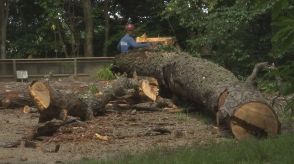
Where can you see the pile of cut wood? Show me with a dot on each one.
(61, 107)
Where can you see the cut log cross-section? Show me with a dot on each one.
(149, 88)
(237, 103)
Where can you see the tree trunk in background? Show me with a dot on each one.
(88, 45)
(64, 48)
(200, 81)
(4, 9)
(106, 33)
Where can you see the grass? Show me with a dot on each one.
(93, 89)
(273, 150)
(105, 73)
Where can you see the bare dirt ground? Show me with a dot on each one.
(128, 131)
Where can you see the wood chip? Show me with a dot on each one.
(26, 109)
(173, 110)
(100, 137)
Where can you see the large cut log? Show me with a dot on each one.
(52, 103)
(198, 80)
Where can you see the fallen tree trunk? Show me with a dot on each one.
(203, 82)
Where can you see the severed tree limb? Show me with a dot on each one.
(55, 104)
(50, 127)
(257, 68)
(52, 103)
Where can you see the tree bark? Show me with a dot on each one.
(106, 27)
(238, 104)
(4, 10)
(64, 48)
(88, 45)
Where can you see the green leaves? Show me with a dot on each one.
(105, 73)
(278, 8)
(283, 26)
(234, 33)
(287, 74)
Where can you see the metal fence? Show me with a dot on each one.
(58, 67)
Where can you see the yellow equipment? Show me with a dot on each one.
(160, 40)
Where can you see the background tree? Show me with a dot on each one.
(234, 33)
(4, 10)
(283, 47)
(106, 26)
(88, 19)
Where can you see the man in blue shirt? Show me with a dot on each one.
(128, 42)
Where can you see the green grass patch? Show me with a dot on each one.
(105, 73)
(273, 150)
(93, 89)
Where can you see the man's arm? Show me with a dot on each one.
(134, 44)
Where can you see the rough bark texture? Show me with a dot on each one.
(4, 10)
(201, 82)
(106, 27)
(87, 9)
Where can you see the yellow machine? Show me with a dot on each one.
(160, 40)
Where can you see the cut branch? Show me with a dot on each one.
(257, 68)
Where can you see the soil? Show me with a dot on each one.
(126, 131)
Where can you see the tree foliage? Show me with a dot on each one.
(229, 32)
(234, 33)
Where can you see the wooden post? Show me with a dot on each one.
(75, 66)
(14, 68)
